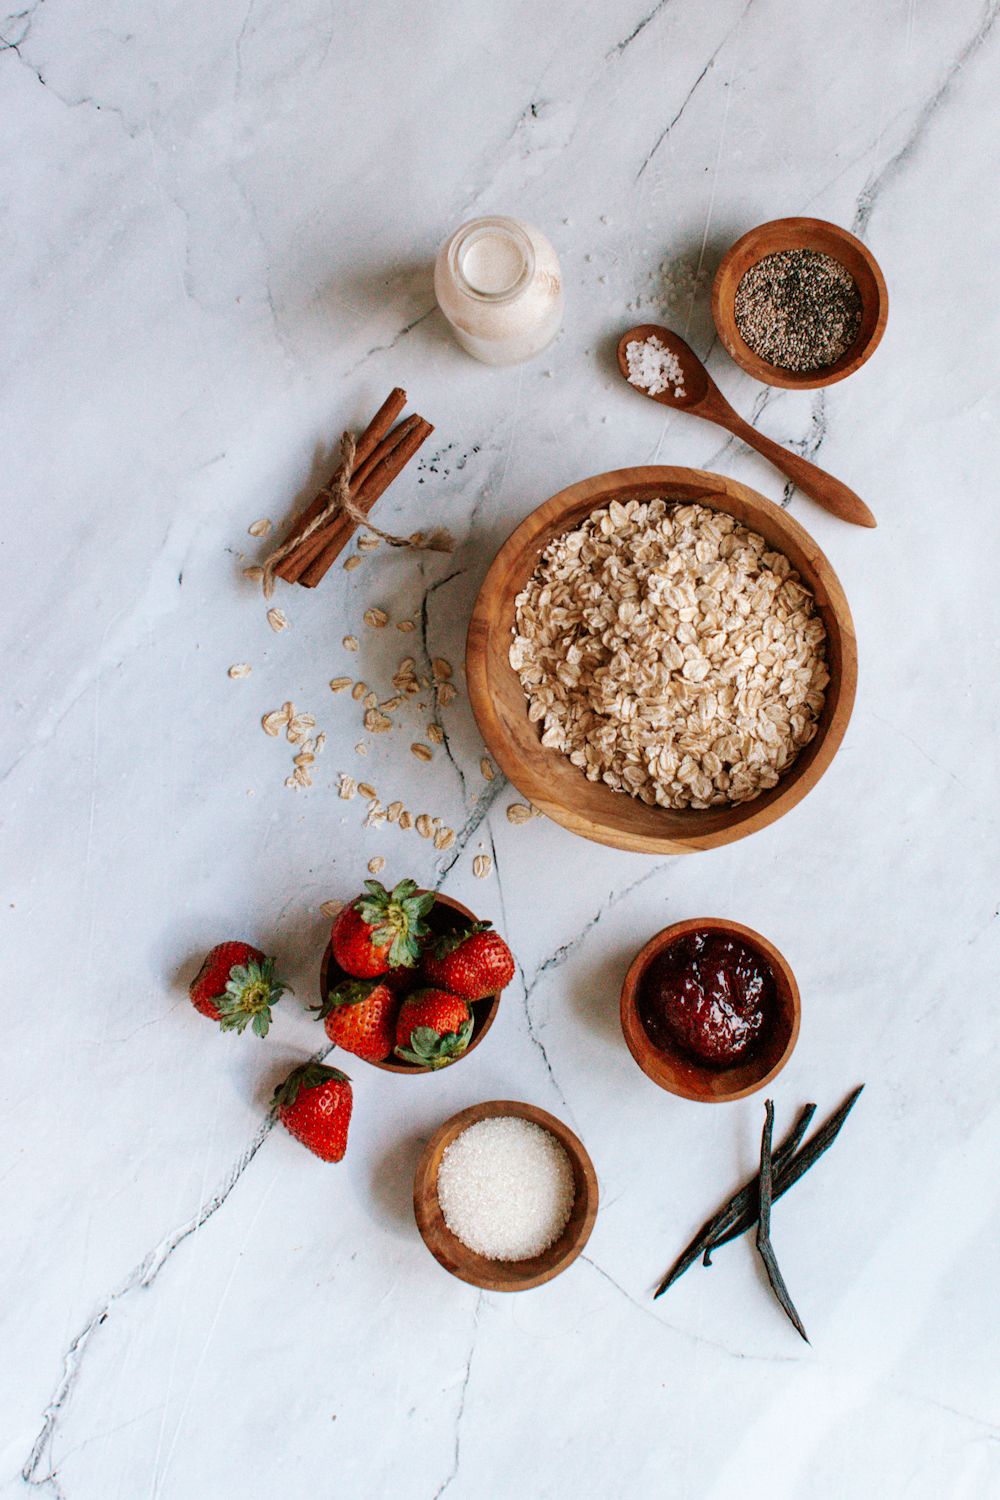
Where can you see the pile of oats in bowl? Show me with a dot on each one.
(671, 653)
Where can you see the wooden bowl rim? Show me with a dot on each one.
(447, 1248)
(647, 1055)
(482, 1018)
(533, 534)
(804, 233)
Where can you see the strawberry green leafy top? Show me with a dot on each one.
(396, 919)
(251, 990)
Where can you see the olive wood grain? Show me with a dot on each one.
(801, 234)
(546, 777)
(702, 398)
(674, 1069)
(479, 1270)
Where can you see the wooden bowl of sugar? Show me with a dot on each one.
(546, 777)
(509, 1176)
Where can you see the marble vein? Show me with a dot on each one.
(890, 171)
(637, 30)
(665, 132)
(38, 1468)
(456, 1458)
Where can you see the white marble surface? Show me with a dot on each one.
(217, 228)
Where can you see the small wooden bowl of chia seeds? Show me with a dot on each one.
(800, 303)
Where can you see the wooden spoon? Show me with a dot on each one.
(702, 397)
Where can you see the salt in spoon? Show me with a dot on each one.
(702, 398)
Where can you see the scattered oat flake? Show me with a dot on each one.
(290, 781)
(442, 669)
(376, 722)
(393, 811)
(390, 705)
(240, 669)
(347, 786)
(421, 751)
(366, 789)
(486, 768)
(481, 866)
(274, 722)
(259, 528)
(376, 865)
(350, 643)
(405, 626)
(446, 693)
(376, 618)
(405, 819)
(368, 543)
(320, 742)
(370, 700)
(435, 734)
(339, 684)
(352, 563)
(518, 812)
(254, 573)
(277, 619)
(359, 690)
(331, 908)
(301, 775)
(361, 749)
(424, 826)
(444, 838)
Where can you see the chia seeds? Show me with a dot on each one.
(798, 309)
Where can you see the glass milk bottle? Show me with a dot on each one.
(498, 283)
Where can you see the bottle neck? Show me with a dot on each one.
(492, 260)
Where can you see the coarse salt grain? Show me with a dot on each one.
(505, 1186)
(653, 367)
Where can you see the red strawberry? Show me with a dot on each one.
(433, 1028)
(381, 930)
(360, 1016)
(474, 962)
(236, 985)
(314, 1104)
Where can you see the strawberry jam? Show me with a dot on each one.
(710, 994)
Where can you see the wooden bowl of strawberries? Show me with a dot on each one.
(410, 980)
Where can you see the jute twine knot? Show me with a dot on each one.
(338, 497)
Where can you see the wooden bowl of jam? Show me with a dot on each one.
(710, 1010)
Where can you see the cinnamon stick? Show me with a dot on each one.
(342, 528)
(298, 559)
(369, 440)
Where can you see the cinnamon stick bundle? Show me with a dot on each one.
(381, 453)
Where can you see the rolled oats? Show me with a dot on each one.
(376, 618)
(259, 528)
(352, 563)
(670, 653)
(481, 866)
(240, 669)
(435, 734)
(405, 819)
(518, 812)
(338, 684)
(376, 865)
(424, 826)
(444, 838)
(331, 908)
(486, 768)
(421, 751)
(277, 619)
(350, 643)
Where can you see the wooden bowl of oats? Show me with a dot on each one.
(678, 704)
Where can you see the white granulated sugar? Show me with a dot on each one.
(653, 368)
(506, 1188)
